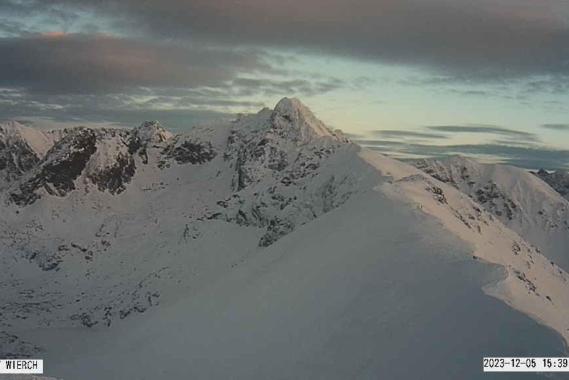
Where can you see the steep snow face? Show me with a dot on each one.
(269, 220)
(558, 180)
(293, 121)
(21, 148)
(518, 198)
(14, 132)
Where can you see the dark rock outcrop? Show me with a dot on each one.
(188, 152)
(114, 178)
(57, 172)
(558, 180)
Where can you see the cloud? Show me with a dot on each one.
(26, 17)
(289, 86)
(60, 75)
(482, 40)
(58, 63)
(556, 127)
(119, 109)
(391, 133)
(530, 157)
(510, 147)
(180, 107)
(483, 129)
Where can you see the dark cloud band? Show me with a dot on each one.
(59, 63)
(486, 39)
(403, 134)
(557, 127)
(530, 157)
(483, 129)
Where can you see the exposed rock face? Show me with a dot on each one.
(288, 137)
(105, 158)
(16, 159)
(21, 149)
(558, 180)
(151, 132)
(57, 172)
(187, 151)
(275, 161)
(145, 136)
(496, 201)
(464, 175)
(115, 178)
(279, 209)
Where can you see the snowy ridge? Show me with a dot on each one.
(516, 197)
(115, 227)
(535, 284)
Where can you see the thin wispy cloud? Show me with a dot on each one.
(407, 134)
(504, 145)
(482, 129)
(557, 127)
(531, 157)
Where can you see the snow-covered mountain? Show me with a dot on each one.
(558, 180)
(516, 197)
(269, 246)
(21, 148)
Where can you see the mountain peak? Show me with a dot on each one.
(13, 132)
(295, 121)
(11, 124)
(13, 129)
(286, 105)
(152, 131)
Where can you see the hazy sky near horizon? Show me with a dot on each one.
(488, 78)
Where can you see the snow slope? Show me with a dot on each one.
(269, 246)
(362, 303)
(516, 197)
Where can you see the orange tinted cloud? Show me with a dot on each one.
(54, 35)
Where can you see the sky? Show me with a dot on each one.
(410, 78)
